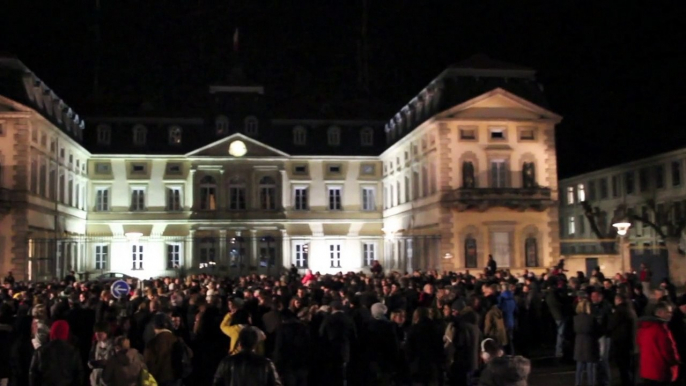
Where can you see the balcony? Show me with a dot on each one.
(481, 199)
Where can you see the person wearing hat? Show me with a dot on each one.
(57, 363)
(500, 369)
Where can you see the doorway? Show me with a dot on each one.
(591, 264)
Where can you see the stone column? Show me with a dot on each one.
(189, 252)
(285, 250)
(254, 260)
(223, 258)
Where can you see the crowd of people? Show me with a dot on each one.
(375, 328)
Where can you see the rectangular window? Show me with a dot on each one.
(103, 168)
(467, 133)
(62, 154)
(615, 186)
(301, 252)
(368, 170)
(643, 180)
(368, 198)
(570, 195)
(34, 175)
(101, 256)
(173, 198)
(498, 174)
(591, 191)
(173, 256)
(603, 188)
(571, 229)
(334, 169)
(676, 173)
(237, 198)
(527, 134)
(268, 197)
(629, 183)
(137, 199)
(34, 135)
(659, 176)
(582, 225)
(102, 199)
(497, 133)
(415, 184)
(300, 196)
(173, 168)
(137, 256)
(661, 215)
(138, 168)
(335, 255)
(300, 169)
(208, 197)
(368, 253)
(334, 198)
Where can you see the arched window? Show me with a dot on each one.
(251, 126)
(334, 136)
(175, 133)
(221, 125)
(468, 179)
(139, 134)
(104, 134)
(267, 193)
(367, 136)
(207, 252)
(299, 136)
(470, 256)
(531, 251)
(208, 193)
(529, 175)
(236, 194)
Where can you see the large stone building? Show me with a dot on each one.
(650, 193)
(466, 168)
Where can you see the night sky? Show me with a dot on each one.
(614, 69)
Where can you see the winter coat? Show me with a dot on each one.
(40, 331)
(659, 359)
(465, 340)
(586, 345)
(246, 369)
(494, 326)
(622, 327)
(338, 332)
(100, 353)
(554, 303)
(508, 306)
(601, 312)
(506, 371)
(382, 346)
(158, 356)
(5, 343)
(293, 346)
(57, 363)
(124, 368)
(425, 350)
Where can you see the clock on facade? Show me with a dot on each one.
(237, 149)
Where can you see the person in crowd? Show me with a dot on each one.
(491, 266)
(463, 336)
(382, 347)
(677, 326)
(159, 353)
(645, 276)
(622, 326)
(424, 348)
(494, 325)
(586, 343)
(246, 368)
(502, 370)
(292, 350)
(125, 366)
(659, 358)
(601, 312)
(337, 332)
(57, 363)
(5, 343)
(101, 350)
(9, 279)
(508, 306)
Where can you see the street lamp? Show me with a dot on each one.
(622, 228)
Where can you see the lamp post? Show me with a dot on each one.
(622, 228)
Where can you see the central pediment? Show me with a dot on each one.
(237, 146)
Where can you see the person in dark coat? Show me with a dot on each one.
(159, 353)
(21, 352)
(337, 332)
(424, 348)
(5, 341)
(57, 363)
(491, 266)
(677, 326)
(246, 368)
(465, 341)
(292, 350)
(555, 306)
(502, 370)
(586, 345)
(622, 327)
(383, 347)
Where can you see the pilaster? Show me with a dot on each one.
(285, 249)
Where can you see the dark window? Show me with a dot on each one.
(591, 190)
(629, 182)
(615, 186)
(300, 169)
(676, 173)
(470, 252)
(582, 224)
(469, 134)
(603, 188)
(531, 249)
(643, 181)
(335, 169)
(659, 176)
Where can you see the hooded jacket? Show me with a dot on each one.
(494, 325)
(506, 371)
(508, 306)
(124, 368)
(659, 359)
(56, 363)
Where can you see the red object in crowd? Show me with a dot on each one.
(307, 278)
(59, 330)
(659, 358)
(644, 276)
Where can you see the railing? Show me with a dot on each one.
(588, 247)
(537, 198)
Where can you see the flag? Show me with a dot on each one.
(235, 40)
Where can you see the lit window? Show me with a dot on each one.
(369, 253)
(267, 193)
(139, 135)
(208, 193)
(137, 199)
(301, 252)
(581, 193)
(251, 126)
(173, 255)
(368, 198)
(101, 254)
(175, 133)
(335, 255)
(299, 136)
(571, 228)
(570, 195)
(367, 136)
(334, 136)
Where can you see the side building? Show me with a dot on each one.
(650, 193)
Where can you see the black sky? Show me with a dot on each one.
(613, 69)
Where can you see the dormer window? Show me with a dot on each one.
(104, 135)
(221, 125)
(497, 133)
(367, 136)
(299, 136)
(175, 135)
(251, 126)
(334, 136)
(139, 134)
